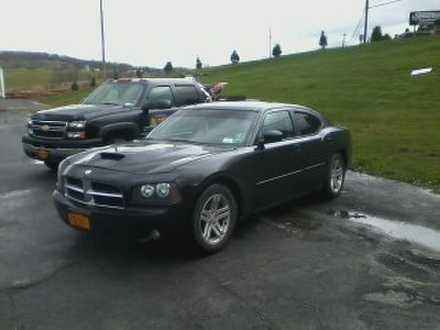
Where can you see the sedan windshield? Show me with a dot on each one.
(116, 93)
(207, 127)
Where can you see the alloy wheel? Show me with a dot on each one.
(215, 219)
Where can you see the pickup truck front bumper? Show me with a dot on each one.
(56, 150)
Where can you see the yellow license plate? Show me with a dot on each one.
(43, 154)
(79, 221)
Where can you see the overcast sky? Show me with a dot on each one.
(143, 32)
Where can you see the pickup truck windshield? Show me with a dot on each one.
(117, 93)
(206, 127)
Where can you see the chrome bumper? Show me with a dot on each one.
(53, 154)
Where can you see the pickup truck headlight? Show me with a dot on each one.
(76, 135)
(29, 126)
(60, 179)
(77, 125)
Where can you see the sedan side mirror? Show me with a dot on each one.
(273, 136)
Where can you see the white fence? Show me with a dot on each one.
(2, 84)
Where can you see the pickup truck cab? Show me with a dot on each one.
(122, 109)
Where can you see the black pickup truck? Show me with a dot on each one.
(122, 109)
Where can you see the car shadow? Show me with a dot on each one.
(113, 245)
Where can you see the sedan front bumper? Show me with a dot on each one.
(169, 218)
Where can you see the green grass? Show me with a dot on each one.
(69, 97)
(394, 118)
(26, 79)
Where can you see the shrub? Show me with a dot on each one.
(75, 86)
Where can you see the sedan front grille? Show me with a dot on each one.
(93, 193)
(49, 129)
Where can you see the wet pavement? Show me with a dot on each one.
(368, 260)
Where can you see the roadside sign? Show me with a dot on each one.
(424, 17)
(2, 84)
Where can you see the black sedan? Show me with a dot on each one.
(204, 169)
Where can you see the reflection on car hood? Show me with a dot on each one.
(149, 158)
(78, 112)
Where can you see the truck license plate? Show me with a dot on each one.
(43, 153)
(79, 221)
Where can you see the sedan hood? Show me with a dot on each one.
(78, 112)
(148, 158)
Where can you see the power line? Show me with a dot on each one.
(358, 26)
(384, 4)
(367, 9)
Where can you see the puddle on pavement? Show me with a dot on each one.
(420, 235)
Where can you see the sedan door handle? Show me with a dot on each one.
(297, 147)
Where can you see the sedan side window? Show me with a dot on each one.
(279, 121)
(306, 124)
(160, 95)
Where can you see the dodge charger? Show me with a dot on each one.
(205, 169)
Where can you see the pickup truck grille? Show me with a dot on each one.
(49, 129)
(93, 193)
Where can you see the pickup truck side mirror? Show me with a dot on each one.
(157, 104)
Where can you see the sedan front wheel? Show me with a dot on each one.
(214, 218)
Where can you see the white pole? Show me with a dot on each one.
(2, 85)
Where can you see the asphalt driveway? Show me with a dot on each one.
(369, 260)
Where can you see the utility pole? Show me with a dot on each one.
(102, 39)
(367, 8)
(343, 40)
(270, 42)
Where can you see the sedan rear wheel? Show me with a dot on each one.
(336, 176)
(214, 218)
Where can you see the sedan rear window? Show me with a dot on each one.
(306, 124)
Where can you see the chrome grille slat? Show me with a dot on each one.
(96, 193)
(55, 130)
(81, 191)
(74, 188)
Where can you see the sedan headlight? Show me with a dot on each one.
(156, 194)
(147, 190)
(77, 124)
(163, 190)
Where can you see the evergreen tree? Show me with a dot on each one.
(377, 34)
(168, 67)
(199, 64)
(276, 51)
(235, 58)
(323, 42)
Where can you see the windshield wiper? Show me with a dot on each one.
(109, 103)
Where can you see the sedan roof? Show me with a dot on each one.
(258, 106)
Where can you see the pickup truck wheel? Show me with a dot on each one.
(335, 176)
(214, 218)
(53, 166)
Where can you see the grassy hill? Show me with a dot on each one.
(394, 118)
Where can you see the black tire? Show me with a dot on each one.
(208, 245)
(53, 166)
(332, 189)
